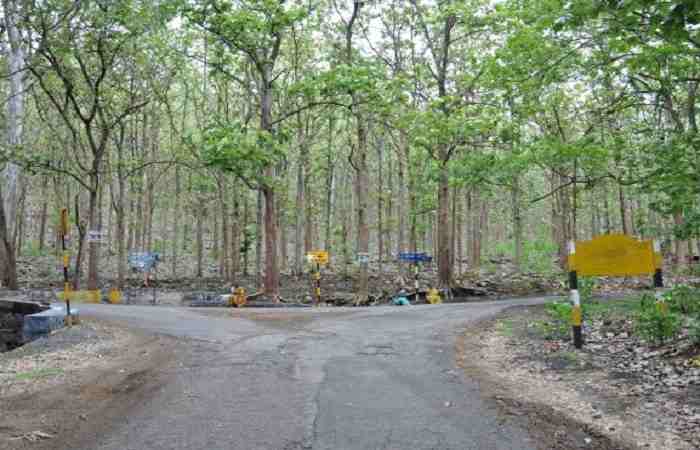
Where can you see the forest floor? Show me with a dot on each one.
(41, 277)
(617, 388)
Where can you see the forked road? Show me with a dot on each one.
(371, 378)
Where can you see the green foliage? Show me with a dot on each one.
(537, 255)
(559, 326)
(248, 239)
(694, 329)
(683, 299)
(505, 327)
(586, 285)
(39, 373)
(246, 153)
(655, 325)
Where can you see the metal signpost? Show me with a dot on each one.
(145, 262)
(66, 259)
(415, 258)
(611, 255)
(95, 236)
(318, 257)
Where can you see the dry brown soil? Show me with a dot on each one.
(76, 384)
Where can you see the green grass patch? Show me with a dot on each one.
(39, 373)
(505, 327)
(617, 307)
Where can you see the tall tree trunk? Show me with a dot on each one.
(360, 165)
(606, 210)
(199, 220)
(271, 261)
(362, 189)
(344, 221)
(443, 230)
(380, 204)
(43, 214)
(453, 229)
(9, 275)
(623, 211)
(460, 237)
(258, 239)
(19, 229)
(330, 182)
(468, 220)
(15, 114)
(308, 204)
(476, 231)
(282, 230)
(235, 238)
(94, 224)
(402, 161)
(517, 223)
(299, 218)
(271, 281)
(176, 221)
(224, 268)
(682, 247)
(121, 225)
(245, 234)
(215, 240)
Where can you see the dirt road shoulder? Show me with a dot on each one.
(61, 390)
(563, 399)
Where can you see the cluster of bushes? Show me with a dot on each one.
(655, 321)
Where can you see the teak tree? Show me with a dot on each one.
(255, 29)
(81, 60)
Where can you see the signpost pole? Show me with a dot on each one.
(576, 315)
(318, 282)
(659, 279)
(415, 276)
(66, 260)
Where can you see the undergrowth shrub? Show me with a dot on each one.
(655, 325)
(683, 299)
(694, 330)
(559, 325)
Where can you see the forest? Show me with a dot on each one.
(232, 137)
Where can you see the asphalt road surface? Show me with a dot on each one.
(335, 378)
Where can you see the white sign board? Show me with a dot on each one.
(95, 236)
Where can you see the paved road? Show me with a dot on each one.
(282, 379)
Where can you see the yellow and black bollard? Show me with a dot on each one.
(317, 257)
(317, 276)
(576, 313)
(66, 260)
(239, 297)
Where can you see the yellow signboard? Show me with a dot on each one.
(614, 255)
(64, 222)
(320, 257)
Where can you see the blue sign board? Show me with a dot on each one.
(415, 257)
(144, 261)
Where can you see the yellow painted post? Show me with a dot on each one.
(576, 315)
(433, 296)
(239, 297)
(115, 296)
(318, 283)
(317, 257)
